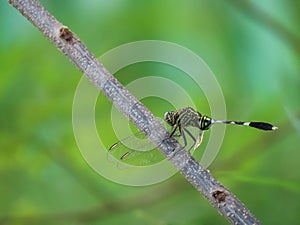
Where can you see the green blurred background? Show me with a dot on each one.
(252, 47)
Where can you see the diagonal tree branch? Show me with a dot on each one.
(71, 46)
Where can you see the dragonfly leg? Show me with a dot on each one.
(181, 133)
(183, 136)
(174, 128)
(199, 139)
(193, 138)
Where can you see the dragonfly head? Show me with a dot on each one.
(170, 117)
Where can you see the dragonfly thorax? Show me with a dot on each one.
(188, 117)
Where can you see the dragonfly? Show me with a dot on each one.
(185, 118)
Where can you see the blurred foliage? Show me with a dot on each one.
(252, 48)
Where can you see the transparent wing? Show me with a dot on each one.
(135, 149)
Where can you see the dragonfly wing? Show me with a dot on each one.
(130, 147)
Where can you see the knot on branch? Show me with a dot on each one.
(66, 34)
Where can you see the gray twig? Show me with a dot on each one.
(68, 43)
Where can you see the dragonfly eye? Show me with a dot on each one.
(169, 117)
(205, 123)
